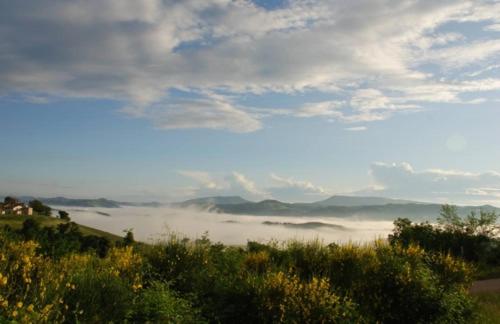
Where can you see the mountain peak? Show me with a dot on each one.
(352, 201)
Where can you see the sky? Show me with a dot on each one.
(293, 100)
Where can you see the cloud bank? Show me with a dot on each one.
(236, 183)
(402, 180)
(375, 58)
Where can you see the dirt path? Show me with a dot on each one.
(490, 285)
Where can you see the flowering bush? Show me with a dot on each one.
(195, 281)
(287, 299)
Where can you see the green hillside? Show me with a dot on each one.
(16, 222)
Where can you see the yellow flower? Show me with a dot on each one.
(14, 314)
(19, 304)
(30, 308)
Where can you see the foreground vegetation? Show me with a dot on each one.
(488, 308)
(198, 281)
(57, 274)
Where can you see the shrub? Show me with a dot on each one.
(30, 286)
(103, 289)
(158, 304)
(287, 299)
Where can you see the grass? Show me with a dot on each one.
(487, 272)
(488, 308)
(16, 222)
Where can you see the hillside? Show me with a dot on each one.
(16, 222)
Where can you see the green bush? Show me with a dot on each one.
(287, 299)
(187, 281)
(158, 304)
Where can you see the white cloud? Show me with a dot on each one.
(493, 27)
(211, 112)
(290, 189)
(202, 178)
(248, 185)
(356, 128)
(462, 55)
(324, 108)
(374, 52)
(454, 186)
(232, 184)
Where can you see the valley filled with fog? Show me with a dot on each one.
(150, 224)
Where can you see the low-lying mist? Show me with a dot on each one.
(151, 224)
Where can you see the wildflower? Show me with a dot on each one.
(19, 304)
(30, 308)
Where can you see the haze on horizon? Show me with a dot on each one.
(295, 100)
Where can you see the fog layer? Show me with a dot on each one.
(154, 223)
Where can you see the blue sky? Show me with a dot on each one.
(293, 100)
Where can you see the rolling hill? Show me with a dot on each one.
(337, 206)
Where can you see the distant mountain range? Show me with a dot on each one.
(99, 202)
(351, 201)
(212, 201)
(337, 206)
(376, 208)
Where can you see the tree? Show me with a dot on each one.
(129, 237)
(484, 224)
(30, 229)
(40, 208)
(10, 200)
(449, 219)
(64, 215)
(473, 224)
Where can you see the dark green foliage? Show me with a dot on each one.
(10, 200)
(385, 283)
(129, 237)
(192, 281)
(40, 208)
(63, 239)
(102, 296)
(469, 239)
(159, 304)
(64, 215)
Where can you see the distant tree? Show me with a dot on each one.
(64, 215)
(40, 208)
(129, 237)
(483, 223)
(10, 200)
(449, 219)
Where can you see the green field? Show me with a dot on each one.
(16, 222)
